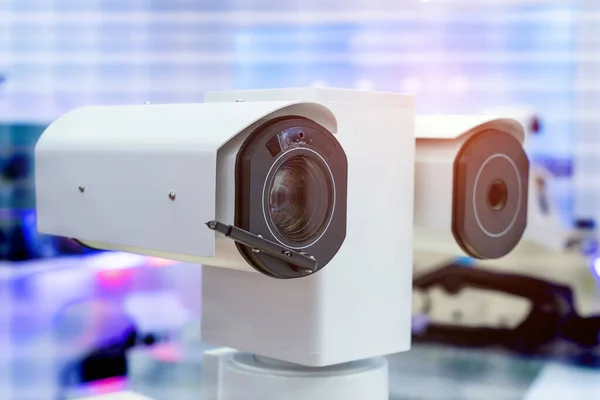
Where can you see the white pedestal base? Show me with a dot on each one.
(231, 375)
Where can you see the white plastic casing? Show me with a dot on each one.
(526, 116)
(104, 175)
(359, 305)
(545, 231)
(439, 139)
(127, 160)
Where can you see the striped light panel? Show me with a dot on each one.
(457, 55)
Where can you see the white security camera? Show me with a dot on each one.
(471, 178)
(314, 184)
(149, 178)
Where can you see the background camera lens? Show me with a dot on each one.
(497, 195)
(300, 199)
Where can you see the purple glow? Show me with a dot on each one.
(160, 262)
(595, 263)
(114, 268)
(114, 277)
(117, 261)
(105, 386)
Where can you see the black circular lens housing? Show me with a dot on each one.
(491, 181)
(291, 184)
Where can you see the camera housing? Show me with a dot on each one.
(544, 232)
(147, 178)
(471, 193)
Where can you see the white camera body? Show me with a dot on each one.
(147, 178)
(471, 188)
(118, 177)
(544, 232)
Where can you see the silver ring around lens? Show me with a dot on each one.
(519, 198)
(265, 189)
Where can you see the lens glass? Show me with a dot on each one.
(497, 195)
(300, 199)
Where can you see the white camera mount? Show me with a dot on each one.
(231, 375)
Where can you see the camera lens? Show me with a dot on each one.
(491, 178)
(497, 195)
(291, 188)
(300, 199)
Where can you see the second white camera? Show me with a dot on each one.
(471, 185)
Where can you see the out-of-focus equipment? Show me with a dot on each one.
(515, 303)
(551, 327)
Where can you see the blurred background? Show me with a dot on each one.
(69, 315)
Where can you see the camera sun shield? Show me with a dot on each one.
(144, 178)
